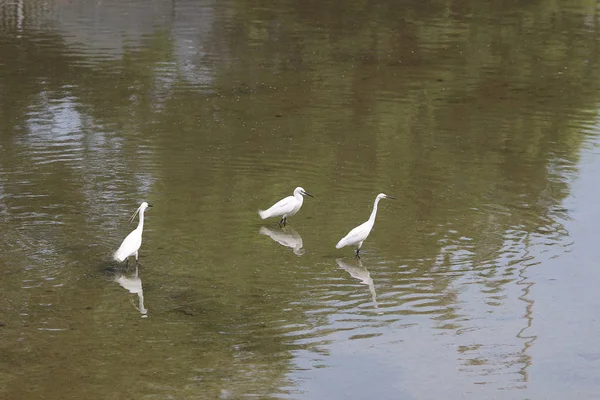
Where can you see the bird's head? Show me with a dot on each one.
(385, 196)
(303, 192)
(141, 208)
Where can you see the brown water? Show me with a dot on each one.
(480, 281)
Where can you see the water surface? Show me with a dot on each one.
(480, 281)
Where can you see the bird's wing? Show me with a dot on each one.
(283, 206)
(130, 245)
(354, 236)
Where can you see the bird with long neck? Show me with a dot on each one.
(358, 235)
(133, 241)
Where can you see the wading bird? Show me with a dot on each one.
(286, 207)
(358, 235)
(133, 241)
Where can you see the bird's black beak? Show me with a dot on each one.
(308, 194)
(150, 205)
(390, 197)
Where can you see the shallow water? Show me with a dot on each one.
(478, 282)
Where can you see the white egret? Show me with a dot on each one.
(286, 207)
(287, 237)
(133, 241)
(358, 235)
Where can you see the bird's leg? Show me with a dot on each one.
(136, 259)
(126, 262)
(357, 255)
(284, 221)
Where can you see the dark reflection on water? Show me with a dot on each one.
(474, 115)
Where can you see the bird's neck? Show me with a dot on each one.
(141, 222)
(374, 212)
(299, 197)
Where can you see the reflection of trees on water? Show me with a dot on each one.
(525, 359)
(477, 145)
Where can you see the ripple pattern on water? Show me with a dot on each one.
(211, 110)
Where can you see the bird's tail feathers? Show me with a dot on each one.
(119, 256)
(264, 214)
(340, 244)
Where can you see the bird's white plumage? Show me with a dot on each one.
(133, 241)
(358, 235)
(285, 207)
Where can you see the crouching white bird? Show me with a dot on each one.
(133, 241)
(286, 207)
(358, 235)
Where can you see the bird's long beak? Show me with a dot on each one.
(390, 197)
(133, 216)
(150, 205)
(308, 194)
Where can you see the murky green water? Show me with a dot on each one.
(480, 281)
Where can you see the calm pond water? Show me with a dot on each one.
(480, 281)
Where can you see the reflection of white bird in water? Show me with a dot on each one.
(133, 241)
(361, 273)
(286, 207)
(358, 235)
(286, 237)
(134, 285)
